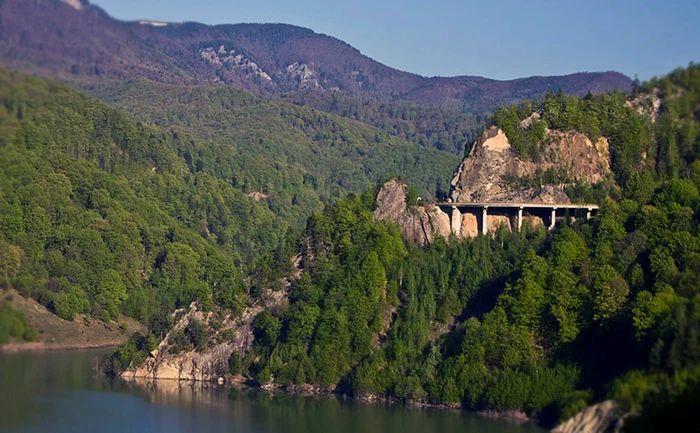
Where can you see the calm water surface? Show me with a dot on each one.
(62, 392)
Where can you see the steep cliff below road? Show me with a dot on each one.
(418, 223)
(493, 172)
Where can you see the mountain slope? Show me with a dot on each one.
(84, 43)
(107, 214)
(534, 321)
(96, 202)
(297, 156)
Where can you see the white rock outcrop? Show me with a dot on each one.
(419, 223)
(604, 417)
(492, 171)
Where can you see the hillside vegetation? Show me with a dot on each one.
(85, 44)
(436, 127)
(298, 156)
(529, 321)
(541, 324)
(102, 214)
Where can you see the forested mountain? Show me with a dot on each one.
(106, 214)
(531, 321)
(139, 67)
(197, 194)
(77, 41)
(297, 156)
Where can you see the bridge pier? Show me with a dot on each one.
(468, 224)
(553, 220)
(520, 218)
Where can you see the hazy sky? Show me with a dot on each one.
(496, 39)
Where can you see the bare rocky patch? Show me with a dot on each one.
(55, 333)
(492, 169)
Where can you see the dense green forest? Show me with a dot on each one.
(436, 127)
(103, 215)
(517, 321)
(300, 157)
(110, 216)
(546, 324)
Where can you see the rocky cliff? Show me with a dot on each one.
(493, 172)
(605, 417)
(212, 363)
(418, 223)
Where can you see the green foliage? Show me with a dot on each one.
(336, 309)
(111, 216)
(30, 334)
(132, 353)
(14, 325)
(102, 215)
(70, 302)
(198, 334)
(234, 364)
(666, 402)
(10, 256)
(436, 127)
(178, 341)
(298, 157)
(266, 329)
(525, 141)
(541, 323)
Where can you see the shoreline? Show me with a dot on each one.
(41, 346)
(307, 390)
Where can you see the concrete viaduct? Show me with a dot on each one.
(547, 211)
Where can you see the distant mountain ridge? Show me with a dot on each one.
(71, 39)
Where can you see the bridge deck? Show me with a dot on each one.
(588, 206)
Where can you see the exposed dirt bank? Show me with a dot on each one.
(57, 334)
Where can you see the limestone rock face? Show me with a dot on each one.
(532, 221)
(491, 171)
(210, 364)
(494, 173)
(391, 200)
(496, 221)
(604, 417)
(470, 226)
(647, 104)
(420, 223)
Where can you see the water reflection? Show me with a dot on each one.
(65, 392)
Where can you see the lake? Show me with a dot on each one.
(64, 392)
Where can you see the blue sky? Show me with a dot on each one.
(495, 39)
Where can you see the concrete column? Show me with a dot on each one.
(553, 221)
(456, 221)
(520, 218)
(588, 214)
(484, 223)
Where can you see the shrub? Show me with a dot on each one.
(31, 334)
(235, 364)
(198, 334)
